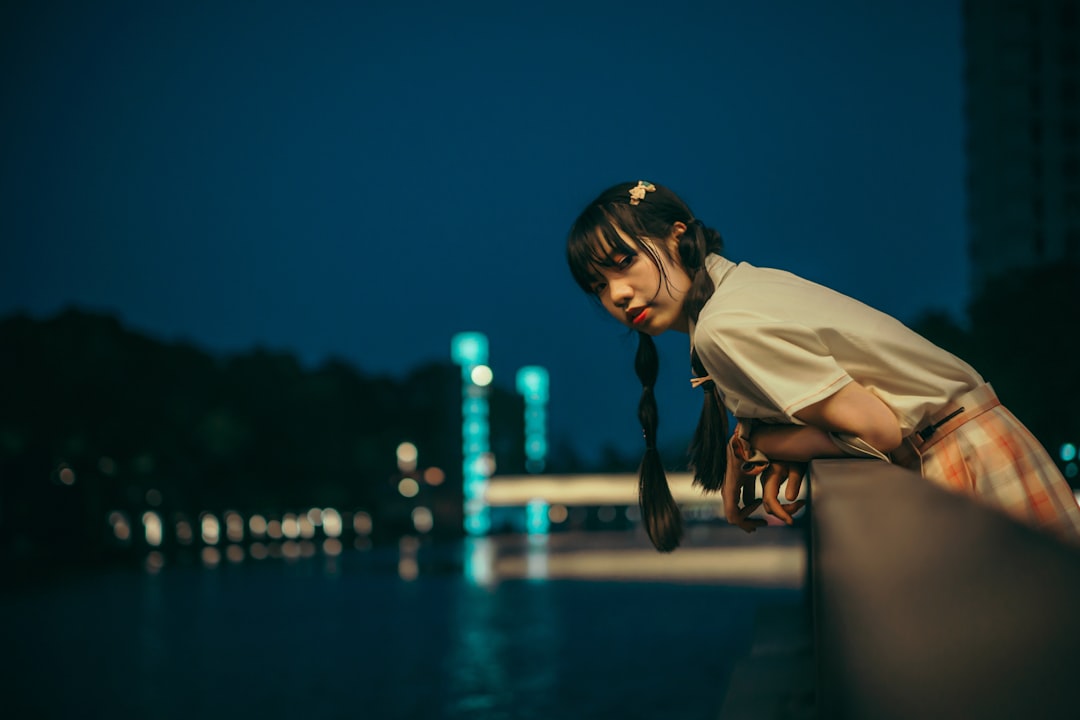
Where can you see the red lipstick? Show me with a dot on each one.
(640, 317)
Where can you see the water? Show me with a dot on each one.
(348, 637)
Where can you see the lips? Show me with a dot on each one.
(637, 315)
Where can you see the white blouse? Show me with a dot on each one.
(774, 343)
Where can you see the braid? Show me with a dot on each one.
(661, 514)
(708, 454)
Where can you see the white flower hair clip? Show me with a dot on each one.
(637, 193)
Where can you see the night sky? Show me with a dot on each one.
(362, 180)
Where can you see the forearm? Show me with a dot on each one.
(797, 443)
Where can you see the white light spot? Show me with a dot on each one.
(481, 375)
(152, 528)
(407, 455)
(211, 529)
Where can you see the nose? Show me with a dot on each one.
(621, 293)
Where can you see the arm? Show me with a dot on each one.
(852, 409)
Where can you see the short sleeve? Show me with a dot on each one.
(765, 367)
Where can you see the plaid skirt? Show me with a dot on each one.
(984, 451)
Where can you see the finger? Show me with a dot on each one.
(747, 523)
(749, 508)
(770, 492)
(748, 494)
(729, 490)
(792, 508)
(752, 524)
(794, 482)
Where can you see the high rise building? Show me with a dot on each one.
(1022, 108)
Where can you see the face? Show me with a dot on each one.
(641, 295)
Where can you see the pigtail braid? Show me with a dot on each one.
(661, 514)
(708, 451)
(708, 455)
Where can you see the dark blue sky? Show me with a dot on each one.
(363, 180)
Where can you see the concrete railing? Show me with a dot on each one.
(926, 605)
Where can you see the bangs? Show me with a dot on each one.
(594, 239)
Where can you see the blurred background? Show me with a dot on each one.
(238, 243)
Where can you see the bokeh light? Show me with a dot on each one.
(481, 375)
(152, 528)
(332, 525)
(407, 455)
(290, 528)
(422, 520)
(257, 526)
(557, 514)
(362, 523)
(408, 487)
(184, 533)
(234, 526)
(210, 529)
(154, 562)
(120, 526)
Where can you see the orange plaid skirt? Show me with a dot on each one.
(984, 451)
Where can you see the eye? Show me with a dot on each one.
(624, 262)
(598, 287)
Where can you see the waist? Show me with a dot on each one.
(957, 412)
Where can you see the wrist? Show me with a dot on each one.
(794, 443)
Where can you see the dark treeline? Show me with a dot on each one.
(1024, 338)
(94, 416)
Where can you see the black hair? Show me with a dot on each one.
(612, 225)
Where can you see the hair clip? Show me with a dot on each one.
(637, 193)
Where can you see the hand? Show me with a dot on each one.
(771, 480)
(738, 482)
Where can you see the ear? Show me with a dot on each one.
(677, 229)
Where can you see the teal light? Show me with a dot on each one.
(1068, 452)
(469, 348)
(532, 382)
(537, 521)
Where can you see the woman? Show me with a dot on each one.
(808, 373)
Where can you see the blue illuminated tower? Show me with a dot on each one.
(532, 383)
(469, 350)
